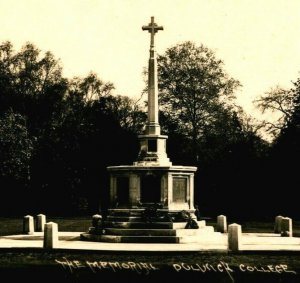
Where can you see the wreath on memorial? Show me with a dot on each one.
(191, 222)
(151, 212)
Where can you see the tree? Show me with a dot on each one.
(15, 147)
(31, 84)
(76, 125)
(283, 106)
(207, 129)
(276, 102)
(193, 88)
(126, 111)
(84, 140)
(294, 118)
(90, 88)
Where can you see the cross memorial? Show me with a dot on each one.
(153, 28)
(152, 128)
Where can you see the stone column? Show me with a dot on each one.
(170, 189)
(222, 224)
(277, 228)
(234, 237)
(50, 235)
(164, 190)
(190, 187)
(40, 222)
(28, 225)
(286, 227)
(113, 190)
(153, 124)
(134, 190)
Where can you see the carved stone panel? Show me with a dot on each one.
(179, 189)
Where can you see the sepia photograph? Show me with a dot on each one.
(150, 140)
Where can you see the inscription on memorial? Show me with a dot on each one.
(179, 189)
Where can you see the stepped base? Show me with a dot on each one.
(151, 239)
(149, 225)
(130, 226)
(128, 239)
(158, 232)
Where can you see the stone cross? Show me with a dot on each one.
(152, 128)
(152, 28)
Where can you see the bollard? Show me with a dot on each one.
(28, 225)
(234, 237)
(277, 228)
(286, 227)
(50, 235)
(95, 220)
(97, 224)
(222, 224)
(40, 222)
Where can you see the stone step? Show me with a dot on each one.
(140, 225)
(160, 232)
(134, 219)
(147, 225)
(124, 218)
(150, 239)
(111, 218)
(139, 211)
(128, 239)
(154, 232)
(125, 212)
(140, 239)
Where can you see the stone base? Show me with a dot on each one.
(119, 235)
(129, 226)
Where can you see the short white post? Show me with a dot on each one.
(28, 225)
(286, 227)
(222, 224)
(40, 222)
(234, 237)
(277, 228)
(50, 235)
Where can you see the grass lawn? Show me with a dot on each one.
(9, 226)
(82, 266)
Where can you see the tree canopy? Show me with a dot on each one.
(193, 87)
(59, 134)
(205, 126)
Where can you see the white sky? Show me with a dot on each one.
(258, 40)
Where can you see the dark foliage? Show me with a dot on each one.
(58, 136)
(282, 166)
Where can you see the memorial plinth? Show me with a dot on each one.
(137, 186)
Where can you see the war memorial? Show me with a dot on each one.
(152, 214)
